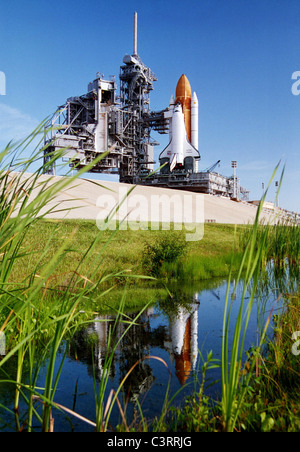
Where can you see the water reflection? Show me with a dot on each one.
(178, 337)
(183, 345)
(174, 329)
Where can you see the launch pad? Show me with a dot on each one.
(99, 121)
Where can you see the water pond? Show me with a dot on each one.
(166, 345)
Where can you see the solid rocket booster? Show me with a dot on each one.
(183, 125)
(170, 114)
(194, 120)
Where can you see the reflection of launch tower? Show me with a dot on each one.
(131, 349)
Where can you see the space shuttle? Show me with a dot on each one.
(182, 150)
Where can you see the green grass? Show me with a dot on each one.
(282, 242)
(211, 257)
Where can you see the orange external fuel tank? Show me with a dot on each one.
(184, 96)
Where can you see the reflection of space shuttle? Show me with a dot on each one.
(184, 336)
(182, 152)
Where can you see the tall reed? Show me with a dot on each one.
(234, 385)
(32, 309)
(282, 242)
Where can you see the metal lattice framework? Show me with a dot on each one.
(89, 125)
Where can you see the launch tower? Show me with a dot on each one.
(99, 121)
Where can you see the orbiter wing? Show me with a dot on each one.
(166, 153)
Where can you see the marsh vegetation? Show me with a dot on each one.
(56, 276)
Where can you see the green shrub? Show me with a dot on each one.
(168, 248)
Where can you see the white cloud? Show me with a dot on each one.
(14, 124)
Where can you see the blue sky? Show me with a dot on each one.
(239, 56)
